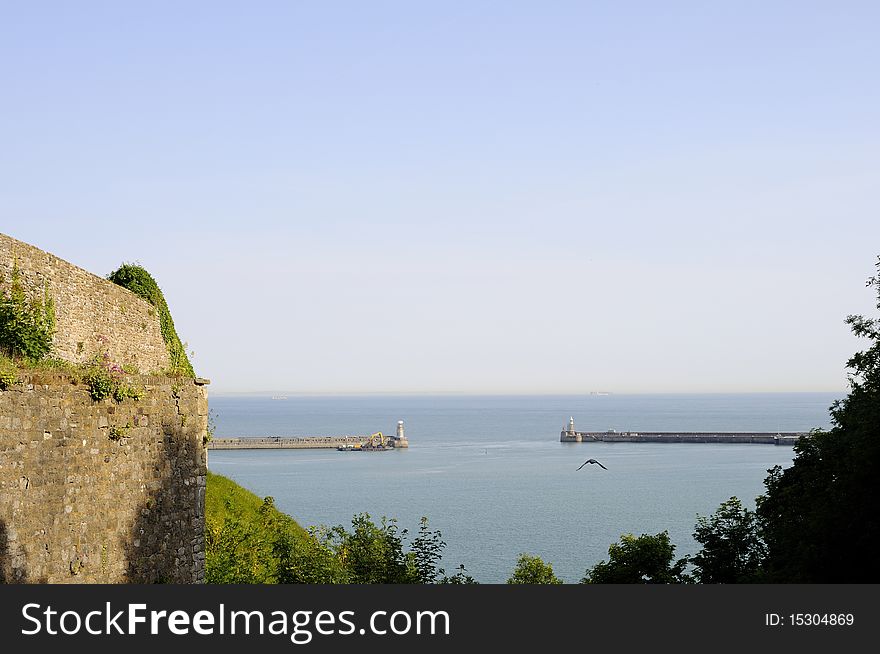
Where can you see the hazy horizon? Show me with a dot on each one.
(288, 394)
(474, 198)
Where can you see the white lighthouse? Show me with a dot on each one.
(400, 438)
(568, 434)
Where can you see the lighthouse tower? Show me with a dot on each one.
(400, 438)
(568, 434)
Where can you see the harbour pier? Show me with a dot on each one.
(348, 442)
(570, 435)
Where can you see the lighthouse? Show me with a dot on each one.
(400, 438)
(568, 434)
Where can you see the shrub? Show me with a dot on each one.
(532, 570)
(26, 325)
(212, 428)
(101, 384)
(8, 373)
(122, 391)
(119, 433)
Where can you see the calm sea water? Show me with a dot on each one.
(492, 476)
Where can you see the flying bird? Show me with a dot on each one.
(592, 461)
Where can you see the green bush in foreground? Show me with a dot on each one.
(644, 559)
(532, 570)
(248, 541)
(733, 547)
(819, 517)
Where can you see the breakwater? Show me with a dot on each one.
(286, 442)
(569, 435)
(767, 438)
(357, 442)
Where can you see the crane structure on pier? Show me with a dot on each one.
(375, 443)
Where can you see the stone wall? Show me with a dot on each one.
(102, 492)
(93, 315)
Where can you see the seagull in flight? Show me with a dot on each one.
(592, 461)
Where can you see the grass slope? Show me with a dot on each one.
(246, 537)
(249, 541)
(225, 500)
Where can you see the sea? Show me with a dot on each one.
(490, 473)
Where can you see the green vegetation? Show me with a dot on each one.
(247, 541)
(11, 368)
(102, 380)
(137, 280)
(532, 570)
(8, 372)
(733, 548)
(124, 391)
(641, 559)
(55, 366)
(106, 381)
(819, 517)
(26, 324)
(101, 384)
(118, 433)
(210, 430)
(242, 533)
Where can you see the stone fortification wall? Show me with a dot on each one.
(94, 316)
(106, 491)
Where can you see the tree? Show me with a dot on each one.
(374, 554)
(460, 578)
(533, 570)
(644, 559)
(425, 553)
(733, 548)
(820, 517)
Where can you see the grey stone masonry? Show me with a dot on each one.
(106, 491)
(93, 315)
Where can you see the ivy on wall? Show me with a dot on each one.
(137, 280)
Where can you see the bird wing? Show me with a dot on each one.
(582, 465)
(600, 465)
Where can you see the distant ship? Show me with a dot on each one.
(279, 397)
(599, 393)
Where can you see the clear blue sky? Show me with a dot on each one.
(462, 196)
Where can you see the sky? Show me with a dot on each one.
(463, 197)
